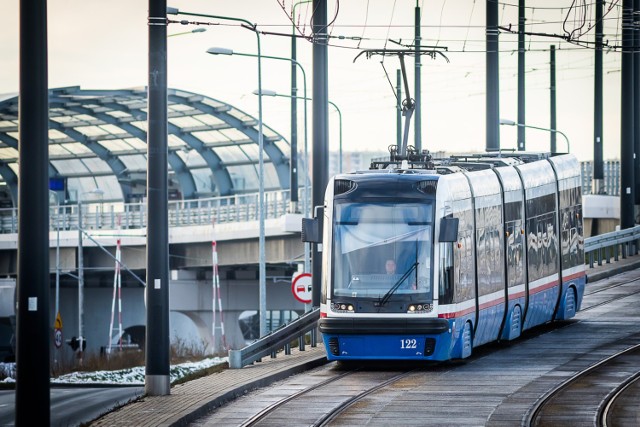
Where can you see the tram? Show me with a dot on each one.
(484, 246)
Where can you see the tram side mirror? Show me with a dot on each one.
(448, 229)
(312, 228)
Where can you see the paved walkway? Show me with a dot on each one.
(190, 401)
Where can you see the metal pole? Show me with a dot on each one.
(418, 90)
(57, 255)
(80, 279)
(552, 98)
(320, 129)
(627, 198)
(32, 396)
(492, 78)
(261, 242)
(262, 270)
(521, 76)
(598, 142)
(305, 205)
(399, 108)
(157, 358)
(305, 202)
(636, 107)
(340, 126)
(293, 186)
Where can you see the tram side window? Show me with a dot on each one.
(481, 259)
(497, 278)
(532, 250)
(565, 234)
(465, 288)
(572, 254)
(511, 254)
(542, 245)
(519, 252)
(514, 253)
(580, 231)
(446, 272)
(550, 245)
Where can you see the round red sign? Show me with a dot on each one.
(301, 287)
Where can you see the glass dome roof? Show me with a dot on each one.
(97, 140)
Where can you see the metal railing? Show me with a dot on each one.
(611, 177)
(280, 339)
(604, 247)
(105, 215)
(236, 208)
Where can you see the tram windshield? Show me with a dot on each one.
(383, 250)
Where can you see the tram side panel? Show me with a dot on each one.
(490, 303)
(457, 291)
(515, 253)
(571, 235)
(543, 285)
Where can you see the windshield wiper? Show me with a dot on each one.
(395, 287)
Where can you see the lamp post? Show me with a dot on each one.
(57, 302)
(80, 276)
(273, 93)
(97, 192)
(55, 194)
(261, 257)
(305, 201)
(223, 51)
(512, 123)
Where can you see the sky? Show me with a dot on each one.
(98, 44)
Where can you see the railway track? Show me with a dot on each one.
(336, 393)
(621, 407)
(605, 383)
(496, 381)
(608, 288)
(319, 401)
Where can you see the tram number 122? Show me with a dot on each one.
(408, 343)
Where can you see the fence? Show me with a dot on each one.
(96, 215)
(604, 247)
(611, 178)
(236, 208)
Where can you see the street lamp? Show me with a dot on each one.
(196, 30)
(274, 93)
(224, 51)
(512, 123)
(305, 203)
(261, 258)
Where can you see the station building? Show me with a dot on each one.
(98, 155)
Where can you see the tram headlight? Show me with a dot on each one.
(341, 307)
(420, 308)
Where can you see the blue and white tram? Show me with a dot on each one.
(486, 246)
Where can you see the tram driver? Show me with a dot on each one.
(390, 266)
